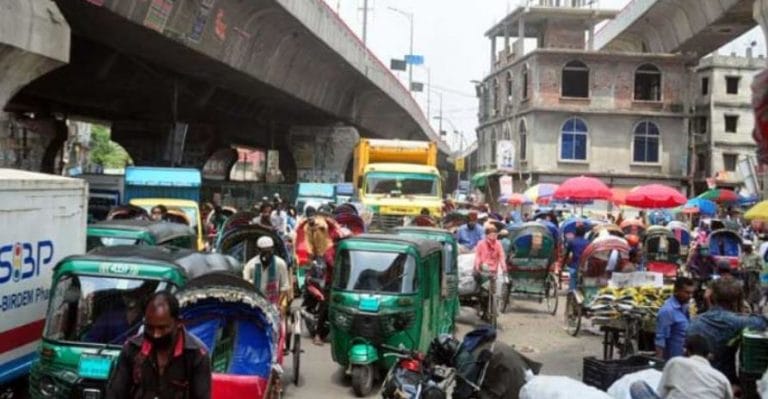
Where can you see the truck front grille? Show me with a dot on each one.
(386, 222)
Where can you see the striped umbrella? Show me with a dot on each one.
(541, 193)
(699, 205)
(720, 195)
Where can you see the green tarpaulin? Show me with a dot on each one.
(480, 179)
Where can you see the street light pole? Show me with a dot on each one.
(365, 22)
(408, 15)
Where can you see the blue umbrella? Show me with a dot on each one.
(700, 205)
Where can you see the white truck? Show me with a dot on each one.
(42, 220)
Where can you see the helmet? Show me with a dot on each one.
(265, 242)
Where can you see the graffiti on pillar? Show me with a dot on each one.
(221, 25)
(322, 153)
(201, 20)
(158, 13)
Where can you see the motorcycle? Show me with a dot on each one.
(315, 298)
(416, 376)
(472, 367)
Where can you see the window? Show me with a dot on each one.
(732, 84)
(495, 97)
(646, 143)
(731, 123)
(573, 140)
(700, 124)
(729, 162)
(704, 86)
(492, 161)
(525, 81)
(647, 83)
(575, 80)
(509, 85)
(523, 140)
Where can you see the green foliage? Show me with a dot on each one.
(106, 152)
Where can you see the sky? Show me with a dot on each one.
(450, 36)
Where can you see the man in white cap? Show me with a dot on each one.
(269, 273)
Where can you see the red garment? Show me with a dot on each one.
(490, 253)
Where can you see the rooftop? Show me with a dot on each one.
(732, 61)
(537, 16)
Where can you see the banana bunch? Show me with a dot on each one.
(645, 302)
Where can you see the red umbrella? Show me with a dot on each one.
(518, 199)
(655, 196)
(618, 197)
(583, 189)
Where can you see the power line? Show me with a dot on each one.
(452, 91)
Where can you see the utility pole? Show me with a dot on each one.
(365, 22)
(429, 93)
(408, 15)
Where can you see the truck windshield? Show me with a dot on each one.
(376, 272)
(401, 183)
(98, 309)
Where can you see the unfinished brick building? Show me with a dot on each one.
(568, 109)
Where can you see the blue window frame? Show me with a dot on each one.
(573, 140)
(646, 146)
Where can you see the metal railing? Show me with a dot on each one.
(561, 3)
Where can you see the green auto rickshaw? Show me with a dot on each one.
(139, 232)
(385, 292)
(97, 303)
(449, 269)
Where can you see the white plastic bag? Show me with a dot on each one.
(762, 386)
(557, 387)
(467, 283)
(620, 388)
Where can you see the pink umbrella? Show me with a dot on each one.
(655, 196)
(582, 188)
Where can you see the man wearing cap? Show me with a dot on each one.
(165, 362)
(471, 233)
(269, 273)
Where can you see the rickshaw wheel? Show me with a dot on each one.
(296, 358)
(507, 295)
(362, 379)
(551, 294)
(572, 315)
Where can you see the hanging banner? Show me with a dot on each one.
(459, 164)
(505, 185)
(505, 155)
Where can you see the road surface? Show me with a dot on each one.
(538, 335)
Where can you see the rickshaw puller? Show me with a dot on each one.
(269, 273)
(166, 362)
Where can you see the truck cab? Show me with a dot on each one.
(396, 179)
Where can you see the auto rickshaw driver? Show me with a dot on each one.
(269, 273)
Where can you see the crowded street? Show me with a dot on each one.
(396, 199)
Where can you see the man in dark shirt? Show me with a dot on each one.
(166, 362)
(573, 251)
(722, 324)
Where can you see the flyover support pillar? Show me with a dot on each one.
(34, 39)
(322, 153)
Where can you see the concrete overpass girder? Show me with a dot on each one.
(34, 40)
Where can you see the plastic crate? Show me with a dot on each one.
(754, 352)
(602, 374)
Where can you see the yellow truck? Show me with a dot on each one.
(396, 179)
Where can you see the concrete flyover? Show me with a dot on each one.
(241, 71)
(671, 26)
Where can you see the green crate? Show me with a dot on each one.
(754, 352)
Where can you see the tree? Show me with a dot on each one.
(106, 152)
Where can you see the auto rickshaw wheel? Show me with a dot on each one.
(572, 315)
(551, 294)
(296, 358)
(362, 379)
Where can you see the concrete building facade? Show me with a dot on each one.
(724, 118)
(570, 110)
